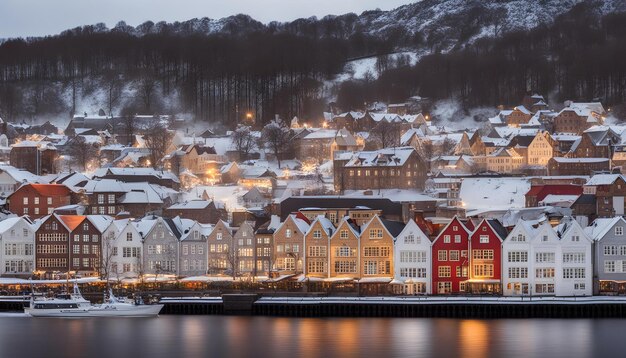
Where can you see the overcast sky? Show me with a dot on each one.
(45, 17)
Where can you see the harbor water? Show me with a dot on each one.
(245, 336)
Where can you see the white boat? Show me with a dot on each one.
(74, 305)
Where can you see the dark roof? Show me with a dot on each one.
(498, 228)
(585, 199)
(295, 203)
(173, 227)
(394, 227)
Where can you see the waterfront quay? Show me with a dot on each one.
(442, 307)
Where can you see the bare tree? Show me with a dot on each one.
(244, 141)
(387, 133)
(129, 124)
(447, 146)
(113, 85)
(106, 261)
(232, 256)
(157, 138)
(275, 135)
(146, 88)
(82, 153)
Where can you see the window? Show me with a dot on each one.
(485, 270)
(100, 198)
(576, 272)
(619, 231)
(610, 250)
(345, 251)
(111, 198)
(317, 234)
(85, 227)
(609, 266)
(446, 239)
(546, 272)
(36, 200)
(218, 236)
(482, 254)
(287, 233)
(343, 234)
(444, 287)
(25, 201)
(376, 233)
(444, 271)
(457, 239)
(317, 251)
(544, 238)
(484, 239)
(544, 288)
(574, 257)
(412, 256)
(185, 249)
(442, 255)
(409, 239)
(316, 266)
(518, 272)
(129, 236)
(543, 257)
(454, 255)
(518, 256)
(49, 201)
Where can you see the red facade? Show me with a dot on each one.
(450, 258)
(38, 200)
(485, 257)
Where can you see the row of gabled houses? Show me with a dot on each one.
(313, 246)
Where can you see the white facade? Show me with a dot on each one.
(17, 243)
(413, 261)
(576, 258)
(537, 262)
(122, 249)
(517, 274)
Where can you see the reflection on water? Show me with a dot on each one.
(221, 336)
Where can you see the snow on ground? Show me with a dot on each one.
(229, 195)
(450, 113)
(494, 193)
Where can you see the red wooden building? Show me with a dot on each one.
(38, 200)
(485, 257)
(450, 255)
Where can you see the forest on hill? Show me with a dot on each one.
(291, 69)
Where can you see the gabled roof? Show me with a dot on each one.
(50, 189)
(326, 224)
(101, 222)
(600, 227)
(347, 222)
(524, 226)
(497, 228)
(412, 226)
(71, 222)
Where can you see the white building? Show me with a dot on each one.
(122, 249)
(17, 247)
(576, 259)
(413, 263)
(547, 261)
(517, 274)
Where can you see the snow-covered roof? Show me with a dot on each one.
(601, 226)
(494, 193)
(321, 134)
(101, 222)
(8, 223)
(190, 205)
(384, 157)
(579, 160)
(604, 179)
